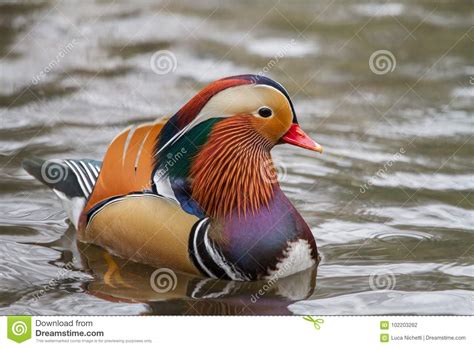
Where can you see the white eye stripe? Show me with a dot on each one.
(222, 105)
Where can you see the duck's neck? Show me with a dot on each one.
(226, 173)
(233, 174)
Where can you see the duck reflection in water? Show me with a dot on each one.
(170, 292)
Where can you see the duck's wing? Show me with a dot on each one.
(128, 164)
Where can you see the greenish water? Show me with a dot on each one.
(389, 202)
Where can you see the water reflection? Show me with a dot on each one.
(119, 280)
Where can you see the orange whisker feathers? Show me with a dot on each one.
(233, 171)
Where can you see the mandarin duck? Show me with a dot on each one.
(195, 192)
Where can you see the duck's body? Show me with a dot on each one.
(197, 192)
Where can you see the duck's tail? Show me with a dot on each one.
(71, 180)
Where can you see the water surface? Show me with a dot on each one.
(389, 202)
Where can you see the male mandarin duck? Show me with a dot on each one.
(195, 192)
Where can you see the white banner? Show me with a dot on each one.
(285, 331)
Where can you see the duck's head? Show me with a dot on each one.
(220, 143)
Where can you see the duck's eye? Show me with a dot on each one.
(265, 112)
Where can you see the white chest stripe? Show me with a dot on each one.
(196, 253)
(207, 256)
(218, 258)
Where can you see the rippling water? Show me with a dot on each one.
(389, 202)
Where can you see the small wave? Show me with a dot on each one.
(380, 10)
(432, 181)
(455, 302)
(280, 47)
